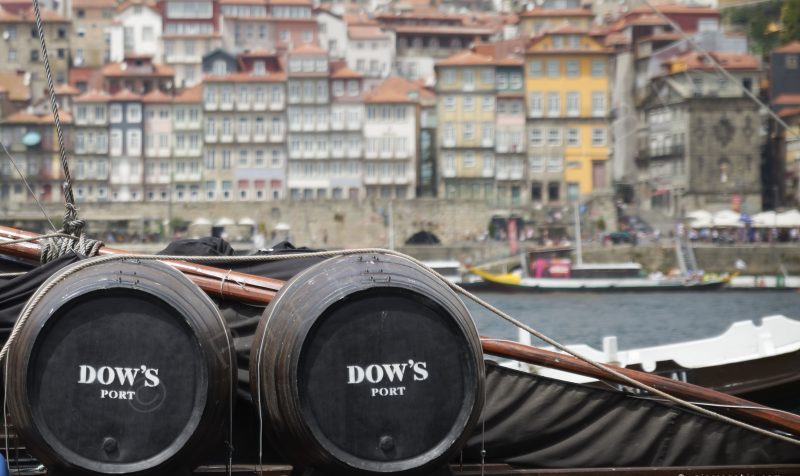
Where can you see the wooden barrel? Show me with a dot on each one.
(123, 367)
(367, 364)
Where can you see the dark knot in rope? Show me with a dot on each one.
(54, 248)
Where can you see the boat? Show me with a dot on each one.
(538, 272)
(756, 361)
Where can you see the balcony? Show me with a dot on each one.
(243, 106)
(354, 152)
(277, 105)
(226, 138)
(337, 125)
(210, 106)
(295, 126)
(277, 137)
(259, 106)
(323, 126)
(211, 138)
(674, 150)
(240, 137)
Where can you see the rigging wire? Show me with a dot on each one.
(25, 181)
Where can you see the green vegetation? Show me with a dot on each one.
(790, 21)
(756, 20)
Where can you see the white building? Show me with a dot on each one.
(332, 32)
(390, 136)
(370, 51)
(136, 31)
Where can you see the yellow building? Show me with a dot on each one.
(567, 91)
(466, 105)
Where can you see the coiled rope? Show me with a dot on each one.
(458, 289)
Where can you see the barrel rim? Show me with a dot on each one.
(444, 293)
(123, 275)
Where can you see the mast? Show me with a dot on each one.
(578, 245)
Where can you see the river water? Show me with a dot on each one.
(637, 319)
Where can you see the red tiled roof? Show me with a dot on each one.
(190, 95)
(793, 47)
(93, 96)
(27, 16)
(697, 61)
(394, 90)
(787, 100)
(13, 83)
(558, 12)
(675, 9)
(307, 49)
(366, 33)
(156, 97)
(130, 3)
(116, 69)
(792, 111)
(94, 4)
(470, 58)
(441, 30)
(126, 95)
(66, 90)
(25, 117)
(245, 78)
(343, 72)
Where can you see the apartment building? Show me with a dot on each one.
(90, 44)
(187, 146)
(701, 147)
(533, 22)
(244, 101)
(510, 153)
(347, 142)
(567, 91)
(308, 114)
(90, 163)
(294, 24)
(158, 164)
(21, 48)
(246, 25)
(390, 132)
(135, 31)
(191, 29)
(466, 97)
(125, 146)
(139, 74)
(31, 138)
(370, 51)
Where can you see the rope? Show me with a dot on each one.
(237, 259)
(71, 223)
(58, 244)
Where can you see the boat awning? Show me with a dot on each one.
(788, 219)
(200, 222)
(247, 222)
(224, 222)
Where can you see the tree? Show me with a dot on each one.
(790, 21)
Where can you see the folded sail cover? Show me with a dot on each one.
(529, 420)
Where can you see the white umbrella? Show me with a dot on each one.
(201, 222)
(699, 219)
(224, 222)
(247, 222)
(788, 219)
(764, 220)
(727, 219)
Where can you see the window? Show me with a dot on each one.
(558, 41)
(449, 76)
(243, 158)
(449, 103)
(535, 68)
(537, 163)
(81, 113)
(502, 81)
(535, 105)
(352, 88)
(488, 163)
(134, 112)
(487, 75)
(598, 104)
(115, 113)
(134, 143)
(598, 68)
(487, 103)
(469, 159)
(516, 81)
(226, 159)
(598, 137)
(573, 104)
(555, 163)
(468, 78)
(338, 88)
(553, 104)
(116, 142)
(553, 68)
(469, 103)
(449, 132)
(536, 137)
(469, 131)
(12, 55)
(487, 132)
(573, 68)
(554, 136)
(573, 137)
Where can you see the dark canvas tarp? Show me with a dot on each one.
(545, 423)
